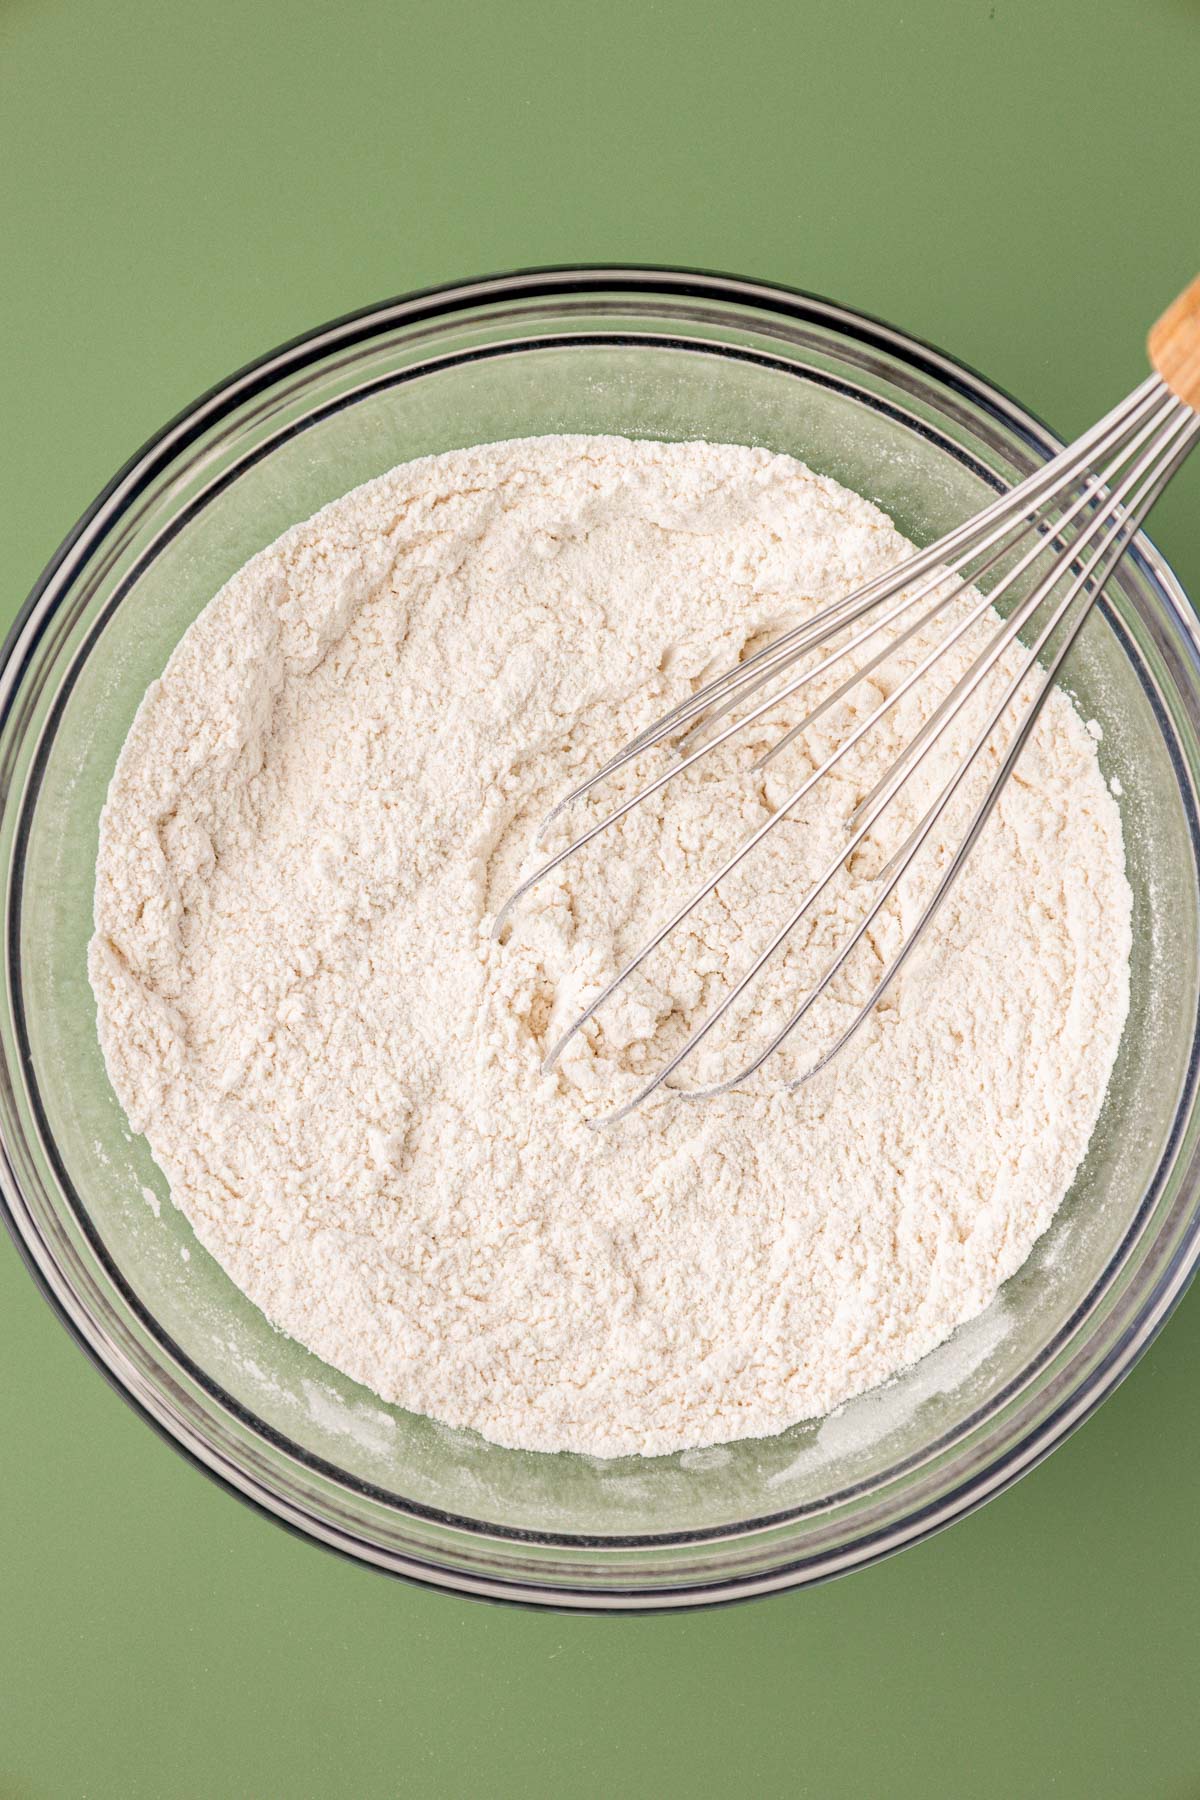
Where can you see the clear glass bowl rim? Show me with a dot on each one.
(82, 543)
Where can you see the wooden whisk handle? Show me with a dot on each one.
(1175, 345)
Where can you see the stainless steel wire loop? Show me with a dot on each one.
(1055, 539)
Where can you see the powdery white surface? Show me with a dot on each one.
(319, 808)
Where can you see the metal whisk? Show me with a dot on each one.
(1066, 527)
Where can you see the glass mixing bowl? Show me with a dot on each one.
(650, 354)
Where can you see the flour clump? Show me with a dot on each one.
(320, 807)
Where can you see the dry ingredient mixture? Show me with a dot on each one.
(317, 813)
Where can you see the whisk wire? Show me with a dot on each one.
(1082, 508)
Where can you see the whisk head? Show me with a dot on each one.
(1045, 548)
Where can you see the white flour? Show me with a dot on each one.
(315, 816)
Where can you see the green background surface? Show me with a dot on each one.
(181, 187)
